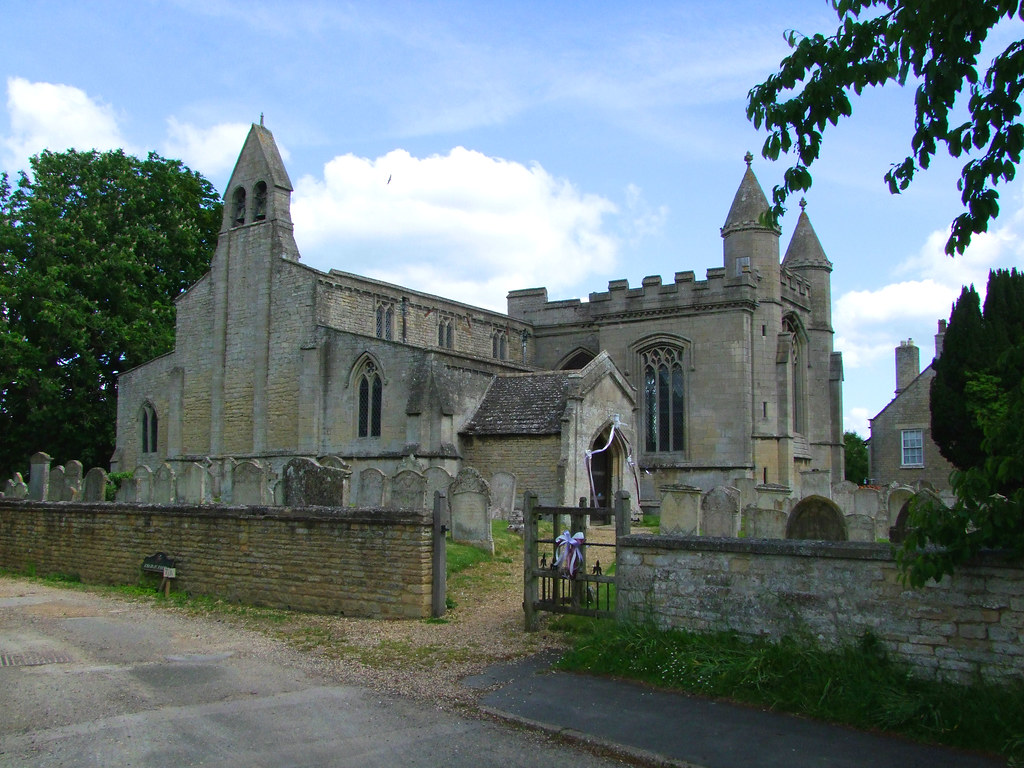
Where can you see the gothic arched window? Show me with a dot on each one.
(663, 399)
(499, 345)
(385, 320)
(798, 371)
(371, 396)
(148, 422)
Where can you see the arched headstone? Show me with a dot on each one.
(249, 484)
(817, 518)
(371, 488)
(142, 477)
(408, 490)
(720, 512)
(470, 498)
(164, 485)
(95, 485)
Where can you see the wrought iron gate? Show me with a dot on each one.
(546, 585)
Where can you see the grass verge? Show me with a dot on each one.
(857, 685)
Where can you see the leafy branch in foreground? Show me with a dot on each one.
(895, 41)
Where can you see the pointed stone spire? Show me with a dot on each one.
(804, 248)
(748, 205)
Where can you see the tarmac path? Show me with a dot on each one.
(90, 680)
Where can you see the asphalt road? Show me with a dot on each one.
(95, 681)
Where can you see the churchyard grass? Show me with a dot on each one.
(857, 684)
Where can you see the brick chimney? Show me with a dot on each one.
(908, 364)
(940, 337)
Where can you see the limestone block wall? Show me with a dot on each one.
(836, 592)
(350, 562)
(536, 457)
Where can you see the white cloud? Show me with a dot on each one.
(856, 420)
(55, 117)
(463, 225)
(211, 151)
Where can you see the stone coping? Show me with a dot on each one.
(365, 515)
(849, 550)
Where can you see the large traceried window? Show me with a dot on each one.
(371, 396)
(148, 421)
(798, 361)
(664, 403)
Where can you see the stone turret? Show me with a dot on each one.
(806, 257)
(749, 243)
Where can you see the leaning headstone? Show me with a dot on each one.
(94, 488)
(307, 484)
(503, 495)
(408, 490)
(56, 490)
(39, 476)
(470, 498)
(249, 485)
(720, 512)
(16, 487)
(142, 477)
(680, 510)
(164, 485)
(371, 488)
(72, 481)
(193, 485)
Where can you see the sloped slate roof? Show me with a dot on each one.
(522, 405)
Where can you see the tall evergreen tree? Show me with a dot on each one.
(94, 248)
(963, 350)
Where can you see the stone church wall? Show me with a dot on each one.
(963, 626)
(536, 457)
(346, 562)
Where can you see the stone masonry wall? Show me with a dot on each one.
(537, 457)
(349, 562)
(835, 592)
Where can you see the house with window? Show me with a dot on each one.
(700, 382)
(901, 449)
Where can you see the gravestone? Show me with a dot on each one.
(193, 485)
(72, 481)
(249, 484)
(16, 488)
(412, 464)
(336, 462)
(307, 484)
(764, 523)
(142, 477)
(39, 476)
(94, 488)
(371, 488)
(438, 479)
(503, 495)
(408, 490)
(164, 485)
(680, 510)
(816, 518)
(126, 492)
(860, 528)
(56, 490)
(720, 512)
(470, 498)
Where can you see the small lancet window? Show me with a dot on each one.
(499, 345)
(445, 334)
(149, 428)
(238, 207)
(259, 207)
(385, 320)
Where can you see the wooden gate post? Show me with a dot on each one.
(439, 559)
(531, 620)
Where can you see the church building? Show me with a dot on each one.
(696, 382)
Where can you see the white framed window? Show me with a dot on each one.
(912, 444)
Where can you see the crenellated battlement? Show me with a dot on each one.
(683, 294)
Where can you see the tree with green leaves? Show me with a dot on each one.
(935, 43)
(977, 414)
(856, 458)
(94, 248)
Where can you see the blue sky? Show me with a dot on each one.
(557, 144)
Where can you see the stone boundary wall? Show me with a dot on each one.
(834, 591)
(354, 562)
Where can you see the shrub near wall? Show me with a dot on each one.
(353, 562)
(834, 591)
